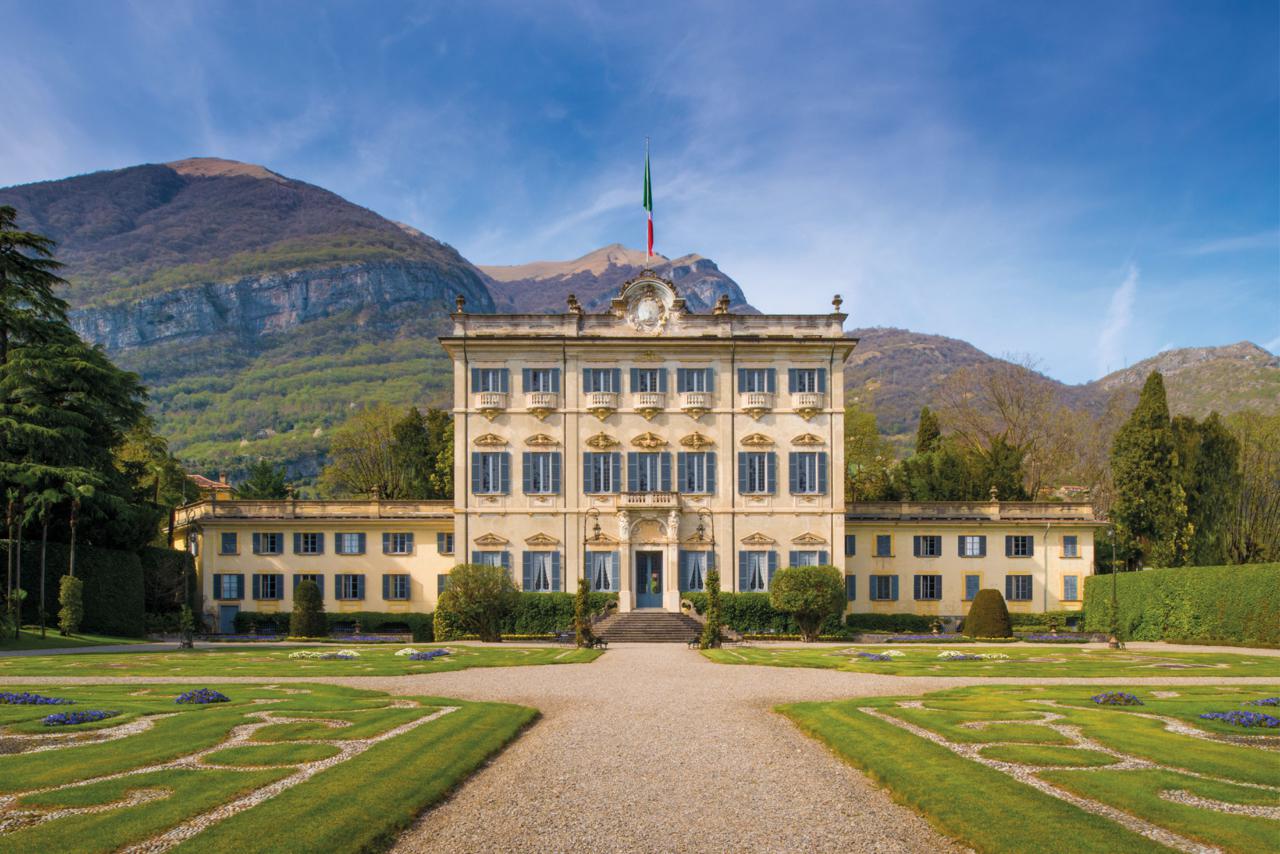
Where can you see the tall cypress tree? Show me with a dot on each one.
(1209, 473)
(929, 433)
(1150, 508)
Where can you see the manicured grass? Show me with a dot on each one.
(922, 660)
(350, 804)
(274, 661)
(30, 639)
(993, 811)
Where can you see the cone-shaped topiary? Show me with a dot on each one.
(308, 620)
(988, 616)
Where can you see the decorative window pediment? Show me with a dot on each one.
(648, 356)
(485, 540)
(758, 539)
(648, 440)
(602, 441)
(757, 440)
(489, 440)
(696, 441)
(602, 539)
(808, 539)
(541, 440)
(541, 539)
(808, 439)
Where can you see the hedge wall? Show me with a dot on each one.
(548, 613)
(370, 622)
(113, 587)
(169, 580)
(1235, 604)
(751, 613)
(913, 623)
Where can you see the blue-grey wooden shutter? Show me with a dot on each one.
(615, 464)
(710, 383)
(743, 572)
(682, 380)
(1031, 546)
(320, 543)
(440, 543)
(279, 585)
(257, 586)
(742, 473)
(525, 379)
(682, 562)
(441, 580)
(555, 380)
(526, 472)
(297, 543)
(791, 380)
(239, 576)
(589, 484)
(360, 586)
(408, 543)
(970, 586)
(504, 380)
(506, 562)
(771, 380)
(793, 558)
(1008, 547)
(526, 571)
(217, 585)
(824, 558)
(793, 471)
(822, 380)
(615, 581)
(615, 380)
(475, 379)
(475, 472)
(915, 545)
(360, 540)
(504, 478)
(682, 472)
(1008, 587)
(386, 586)
(982, 545)
(635, 380)
(742, 380)
(850, 545)
(555, 572)
(771, 473)
(633, 470)
(664, 465)
(851, 587)
(916, 586)
(386, 543)
(773, 567)
(555, 472)
(475, 556)
(662, 380)
(960, 545)
(893, 587)
(822, 472)
(710, 471)
(320, 585)
(257, 543)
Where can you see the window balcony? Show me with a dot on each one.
(649, 499)
(490, 403)
(649, 403)
(695, 404)
(808, 403)
(541, 403)
(602, 404)
(756, 403)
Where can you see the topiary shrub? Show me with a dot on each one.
(988, 616)
(711, 629)
(476, 601)
(582, 615)
(810, 595)
(71, 597)
(308, 620)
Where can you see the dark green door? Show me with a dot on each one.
(648, 579)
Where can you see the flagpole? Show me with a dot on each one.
(648, 204)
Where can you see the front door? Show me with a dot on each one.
(227, 618)
(648, 579)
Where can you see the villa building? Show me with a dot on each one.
(639, 448)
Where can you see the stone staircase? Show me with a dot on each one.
(648, 627)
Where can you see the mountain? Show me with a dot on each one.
(257, 308)
(544, 286)
(1202, 379)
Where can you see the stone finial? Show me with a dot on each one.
(995, 493)
(722, 304)
(836, 302)
(376, 492)
(575, 307)
(461, 302)
(288, 491)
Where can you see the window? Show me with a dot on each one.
(808, 472)
(755, 570)
(696, 472)
(228, 585)
(444, 543)
(490, 379)
(695, 379)
(442, 581)
(228, 543)
(486, 558)
(490, 472)
(349, 586)
(540, 379)
(757, 379)
(973, 546)
(1071, 588)
(602, 571)
(1070, 546)
(601, 472)
(348, 544)
(395, 588)
(850, 545)
(884, 588)
(693, 570)
(317, 578)
(268, 544)
(806, 379)
(542, 571)
(757, 472)
(397, 543)
(308, 544)
(928, 587)
(648, 379)
(1017, 588)
(972, 583)
(1019, 545)
(268, 585)
(601, 379)
(809, 558)
(927, 545)
(851, 588)
(884, 545)
(648, 471)
(541, 472)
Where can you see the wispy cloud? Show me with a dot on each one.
(1116, 323)
(1269, 240)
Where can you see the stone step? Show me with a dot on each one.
(648, 627)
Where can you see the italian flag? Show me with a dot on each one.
(648, 199)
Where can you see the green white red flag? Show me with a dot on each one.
(648, 197)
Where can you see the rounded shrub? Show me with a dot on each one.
(810, 595)
(477, 601)
(988, 616)
(308, 619)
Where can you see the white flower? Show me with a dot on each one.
(893, 653)
(348, 653)
(408, 650)
(951, 653)
(992, 656)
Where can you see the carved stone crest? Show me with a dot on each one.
(541, 539)
(489, 440)
(809, 539)
(697, 441)
(758, 539)
(492, 540)
(602, 441)
(648, 440)
(541, 440)
(757, 440)
(808, 439)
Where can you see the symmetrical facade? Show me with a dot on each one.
(639, 448)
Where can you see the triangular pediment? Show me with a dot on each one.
(541, 440)
(601, 441)
(492, 540)
(602, 539)
(541, 539)
(808, 539)
(808, 439)
(757, 440)
(758, 539)
(488, 440)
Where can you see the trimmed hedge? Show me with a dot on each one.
(988, 616)
(909, 623)
(1231, 604)
(113, 587)
(371, 622)
(752, 613)
(164, 574)
(548, 613)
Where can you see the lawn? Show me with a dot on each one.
(30, 639)
(923, 660)
(379, 660)
(1027, 769)
(356, 768)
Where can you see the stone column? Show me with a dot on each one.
(626, 584)
(671, 564)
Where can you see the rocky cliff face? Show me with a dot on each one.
(272, 303)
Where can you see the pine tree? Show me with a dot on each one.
(27, 281)
(929, 434)
(1150, 509)
(264, 481)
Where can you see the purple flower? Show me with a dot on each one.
(874, 656)
(28, 699)
(1116, 698)
(202, 696)
(1245, 719)
(72, 718)
(1265, 701)
(428, 655)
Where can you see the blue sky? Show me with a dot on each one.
(1086, 183)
